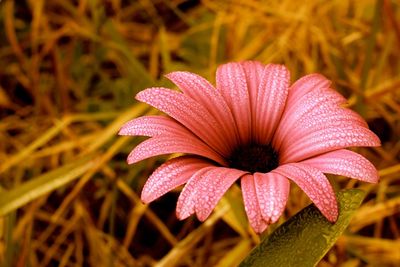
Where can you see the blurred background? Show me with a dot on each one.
(69, 71)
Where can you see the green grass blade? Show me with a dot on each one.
(10, 246)
(371, 42)
(306, 237)
(32, 189)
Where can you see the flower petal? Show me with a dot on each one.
(305, 85)
(272, 193)
(231, 82)
(212, 186)
(188, 112)
(253, 72)
(347, 163)
(326, 140)
(251, 204)
(153, 126)
(317, 118)
(315, 185)
(271, 99)
(162, 145)
(171, 174)
(187, 199)
(321, 99)
(204, 93)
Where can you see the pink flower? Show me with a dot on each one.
(255, 128)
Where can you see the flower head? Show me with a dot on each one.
(254, 127)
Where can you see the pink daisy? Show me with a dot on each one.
(254, 127)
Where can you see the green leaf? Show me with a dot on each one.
(305, 238)
(32, 189)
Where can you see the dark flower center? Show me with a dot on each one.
(254, 158)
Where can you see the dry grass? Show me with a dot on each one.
(68, 74)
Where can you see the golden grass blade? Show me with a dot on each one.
(367, 215)
(85, 178)
(69, 74)
(165, 50)
(374, 251)
(24, 153)
(236, 216)
(111, 130)
(10, 32)
(184, 247)
(235, 255)
(151, 216)
(133, 220)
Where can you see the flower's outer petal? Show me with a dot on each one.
(272, 193)
(323, 116)
(251, 204)
(327, 140)
(321, 99)
(162, 145)
(204, 93)
(305, 85)
(319, 118)
(231, 82)
(171, 174)
(253, 72)
(213, 185)
(153, 126)
(271, 99)
(187, 199)
(347, 163)
(188, 112)
(314, 183)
